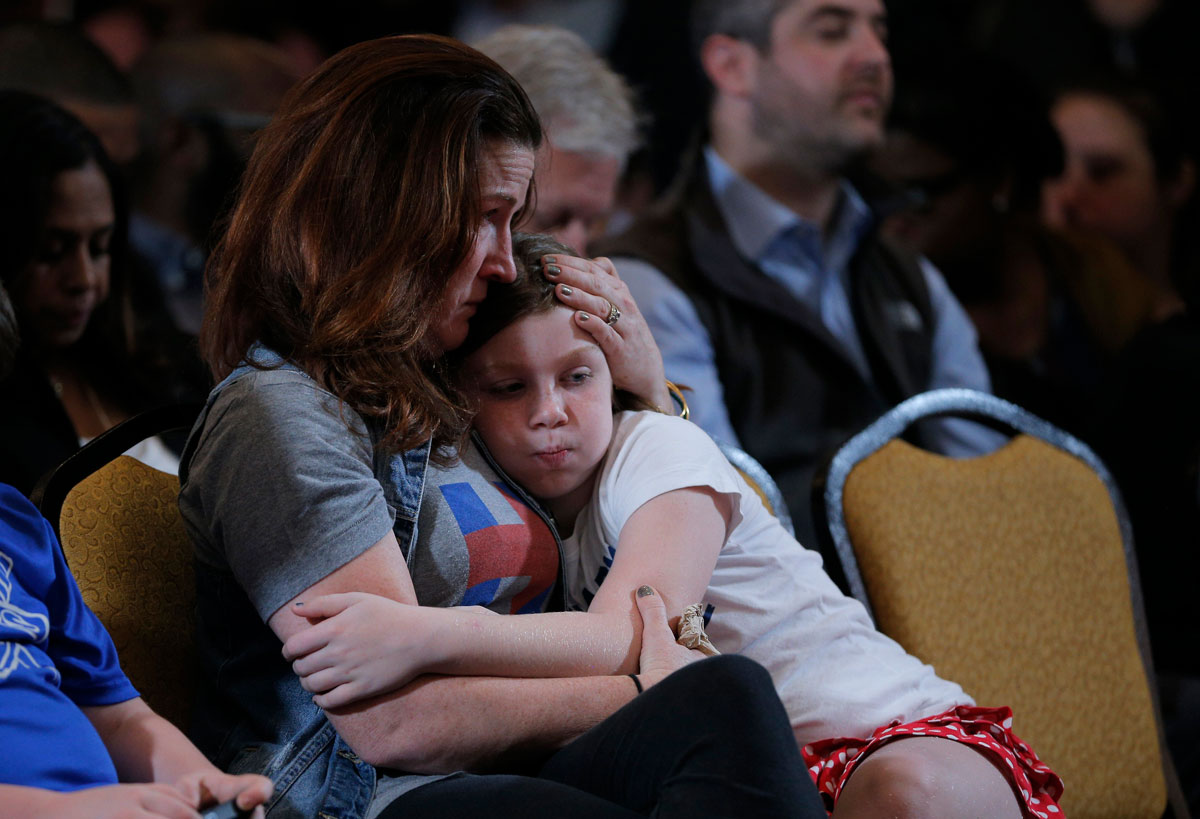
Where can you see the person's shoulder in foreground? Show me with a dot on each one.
(75, 727)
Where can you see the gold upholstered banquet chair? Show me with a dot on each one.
(1013, 574)
(121, 532)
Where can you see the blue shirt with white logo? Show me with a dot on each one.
(55, 657)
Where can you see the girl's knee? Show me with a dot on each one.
(897, 785)
(927, 777)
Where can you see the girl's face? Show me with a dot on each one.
(544, 397)
(69, 276)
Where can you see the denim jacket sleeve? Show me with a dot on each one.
(251, 713)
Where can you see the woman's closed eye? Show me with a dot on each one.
(493, 214)
(60, 244)
(503, 389)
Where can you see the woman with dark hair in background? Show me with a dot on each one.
(1130, 179)
(76, 740)
(1127, 178)
(374, 215)
(86, 361)
(973, 147)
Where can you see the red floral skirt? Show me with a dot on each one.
(831, 761)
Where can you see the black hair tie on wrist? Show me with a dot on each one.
(637, 682)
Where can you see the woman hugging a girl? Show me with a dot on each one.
(642, 497)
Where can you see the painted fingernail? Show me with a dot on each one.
(644, 591)
(300, 603)
(566, 291)
(549, 259)
(583, 316)
(552, 270)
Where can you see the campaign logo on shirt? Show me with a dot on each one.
(514, 562)
(606, 561)
(18, 627)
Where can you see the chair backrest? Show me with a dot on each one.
(1012, 574)
(119, 525)
(756, 475)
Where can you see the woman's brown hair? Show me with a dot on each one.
(360, 201)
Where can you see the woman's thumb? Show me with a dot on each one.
(654, 615)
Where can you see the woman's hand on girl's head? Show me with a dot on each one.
(361, 645)
(590, 286)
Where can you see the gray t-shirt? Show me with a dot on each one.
(281, 493)
(286, 485)
(280, 490)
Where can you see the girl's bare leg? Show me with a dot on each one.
(929, 778)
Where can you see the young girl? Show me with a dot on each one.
(643, 497)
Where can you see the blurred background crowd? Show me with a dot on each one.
(1040, 154)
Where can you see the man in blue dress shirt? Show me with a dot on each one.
(763, 276)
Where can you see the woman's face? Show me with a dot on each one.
(1108, 184)
(505, 172)
(69, 274)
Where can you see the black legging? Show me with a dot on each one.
(711, 740)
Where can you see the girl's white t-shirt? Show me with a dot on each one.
(769, 597)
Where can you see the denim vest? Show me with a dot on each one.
(252, 715)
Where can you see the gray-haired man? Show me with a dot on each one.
(591, 127)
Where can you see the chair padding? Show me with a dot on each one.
(124, 541)
(1029, 531)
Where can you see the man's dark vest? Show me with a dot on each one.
(793, 393)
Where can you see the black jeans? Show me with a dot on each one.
(711, 740)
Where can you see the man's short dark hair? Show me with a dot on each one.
(748, 20)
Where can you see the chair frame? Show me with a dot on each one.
(51, 491)
(745, 462)
(969, 404)
(992, 411)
